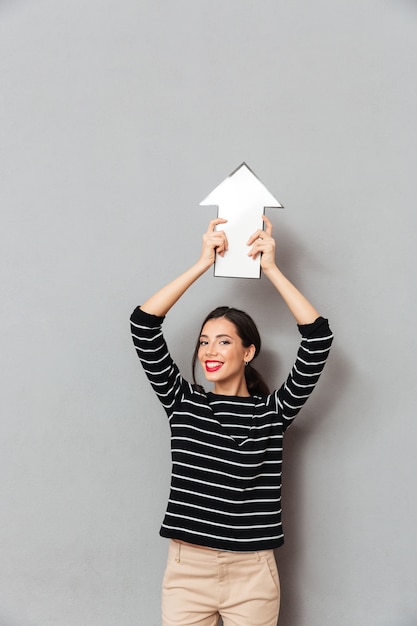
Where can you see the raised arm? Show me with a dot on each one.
(214, 241)
(263, 243)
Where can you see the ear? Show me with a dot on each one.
(250, 353)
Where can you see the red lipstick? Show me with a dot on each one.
(213, 366)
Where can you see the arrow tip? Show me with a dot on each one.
(243, 178)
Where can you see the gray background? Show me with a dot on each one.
(117, 118)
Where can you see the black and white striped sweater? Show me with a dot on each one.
(226, 450)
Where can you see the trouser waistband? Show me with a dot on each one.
(178, 551)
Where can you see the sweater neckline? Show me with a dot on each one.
(249, 400)
(219, 396)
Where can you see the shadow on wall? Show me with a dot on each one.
(290, 558)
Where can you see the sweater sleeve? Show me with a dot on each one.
(153, 353)
(316, 340)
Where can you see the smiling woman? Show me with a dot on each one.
(223, 357)
(232, 336)
(223, 517)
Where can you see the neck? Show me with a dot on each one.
(232, 389)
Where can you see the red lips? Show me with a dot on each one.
(213, 366)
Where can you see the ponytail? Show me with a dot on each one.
(255, 382)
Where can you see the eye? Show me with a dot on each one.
(225, 342)
(202, 342)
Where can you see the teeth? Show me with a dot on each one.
(213, 365)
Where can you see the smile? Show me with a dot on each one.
(213, 366)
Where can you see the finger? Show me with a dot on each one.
(217, 240)
(220, 245)
(257, 248)
(268, 225)
(212, 225)
(225, 243)
(262, 246)
(220, 237)
(259, 234)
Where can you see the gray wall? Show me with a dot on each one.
(116, 119)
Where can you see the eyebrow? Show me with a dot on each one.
(218, 336)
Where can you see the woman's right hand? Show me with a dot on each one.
(214, 241)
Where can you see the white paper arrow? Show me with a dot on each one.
(241, 199)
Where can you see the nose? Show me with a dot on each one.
(211, 350)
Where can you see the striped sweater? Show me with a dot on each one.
(226, 450)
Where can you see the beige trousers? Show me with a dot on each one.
(200, 585)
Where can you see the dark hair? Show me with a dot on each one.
(249, 334)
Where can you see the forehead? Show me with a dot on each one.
(219, 326)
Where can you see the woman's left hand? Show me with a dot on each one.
(263, 243)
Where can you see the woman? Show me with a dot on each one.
(224, 512)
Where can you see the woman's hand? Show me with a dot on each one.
(263, 243)
(213, 241)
